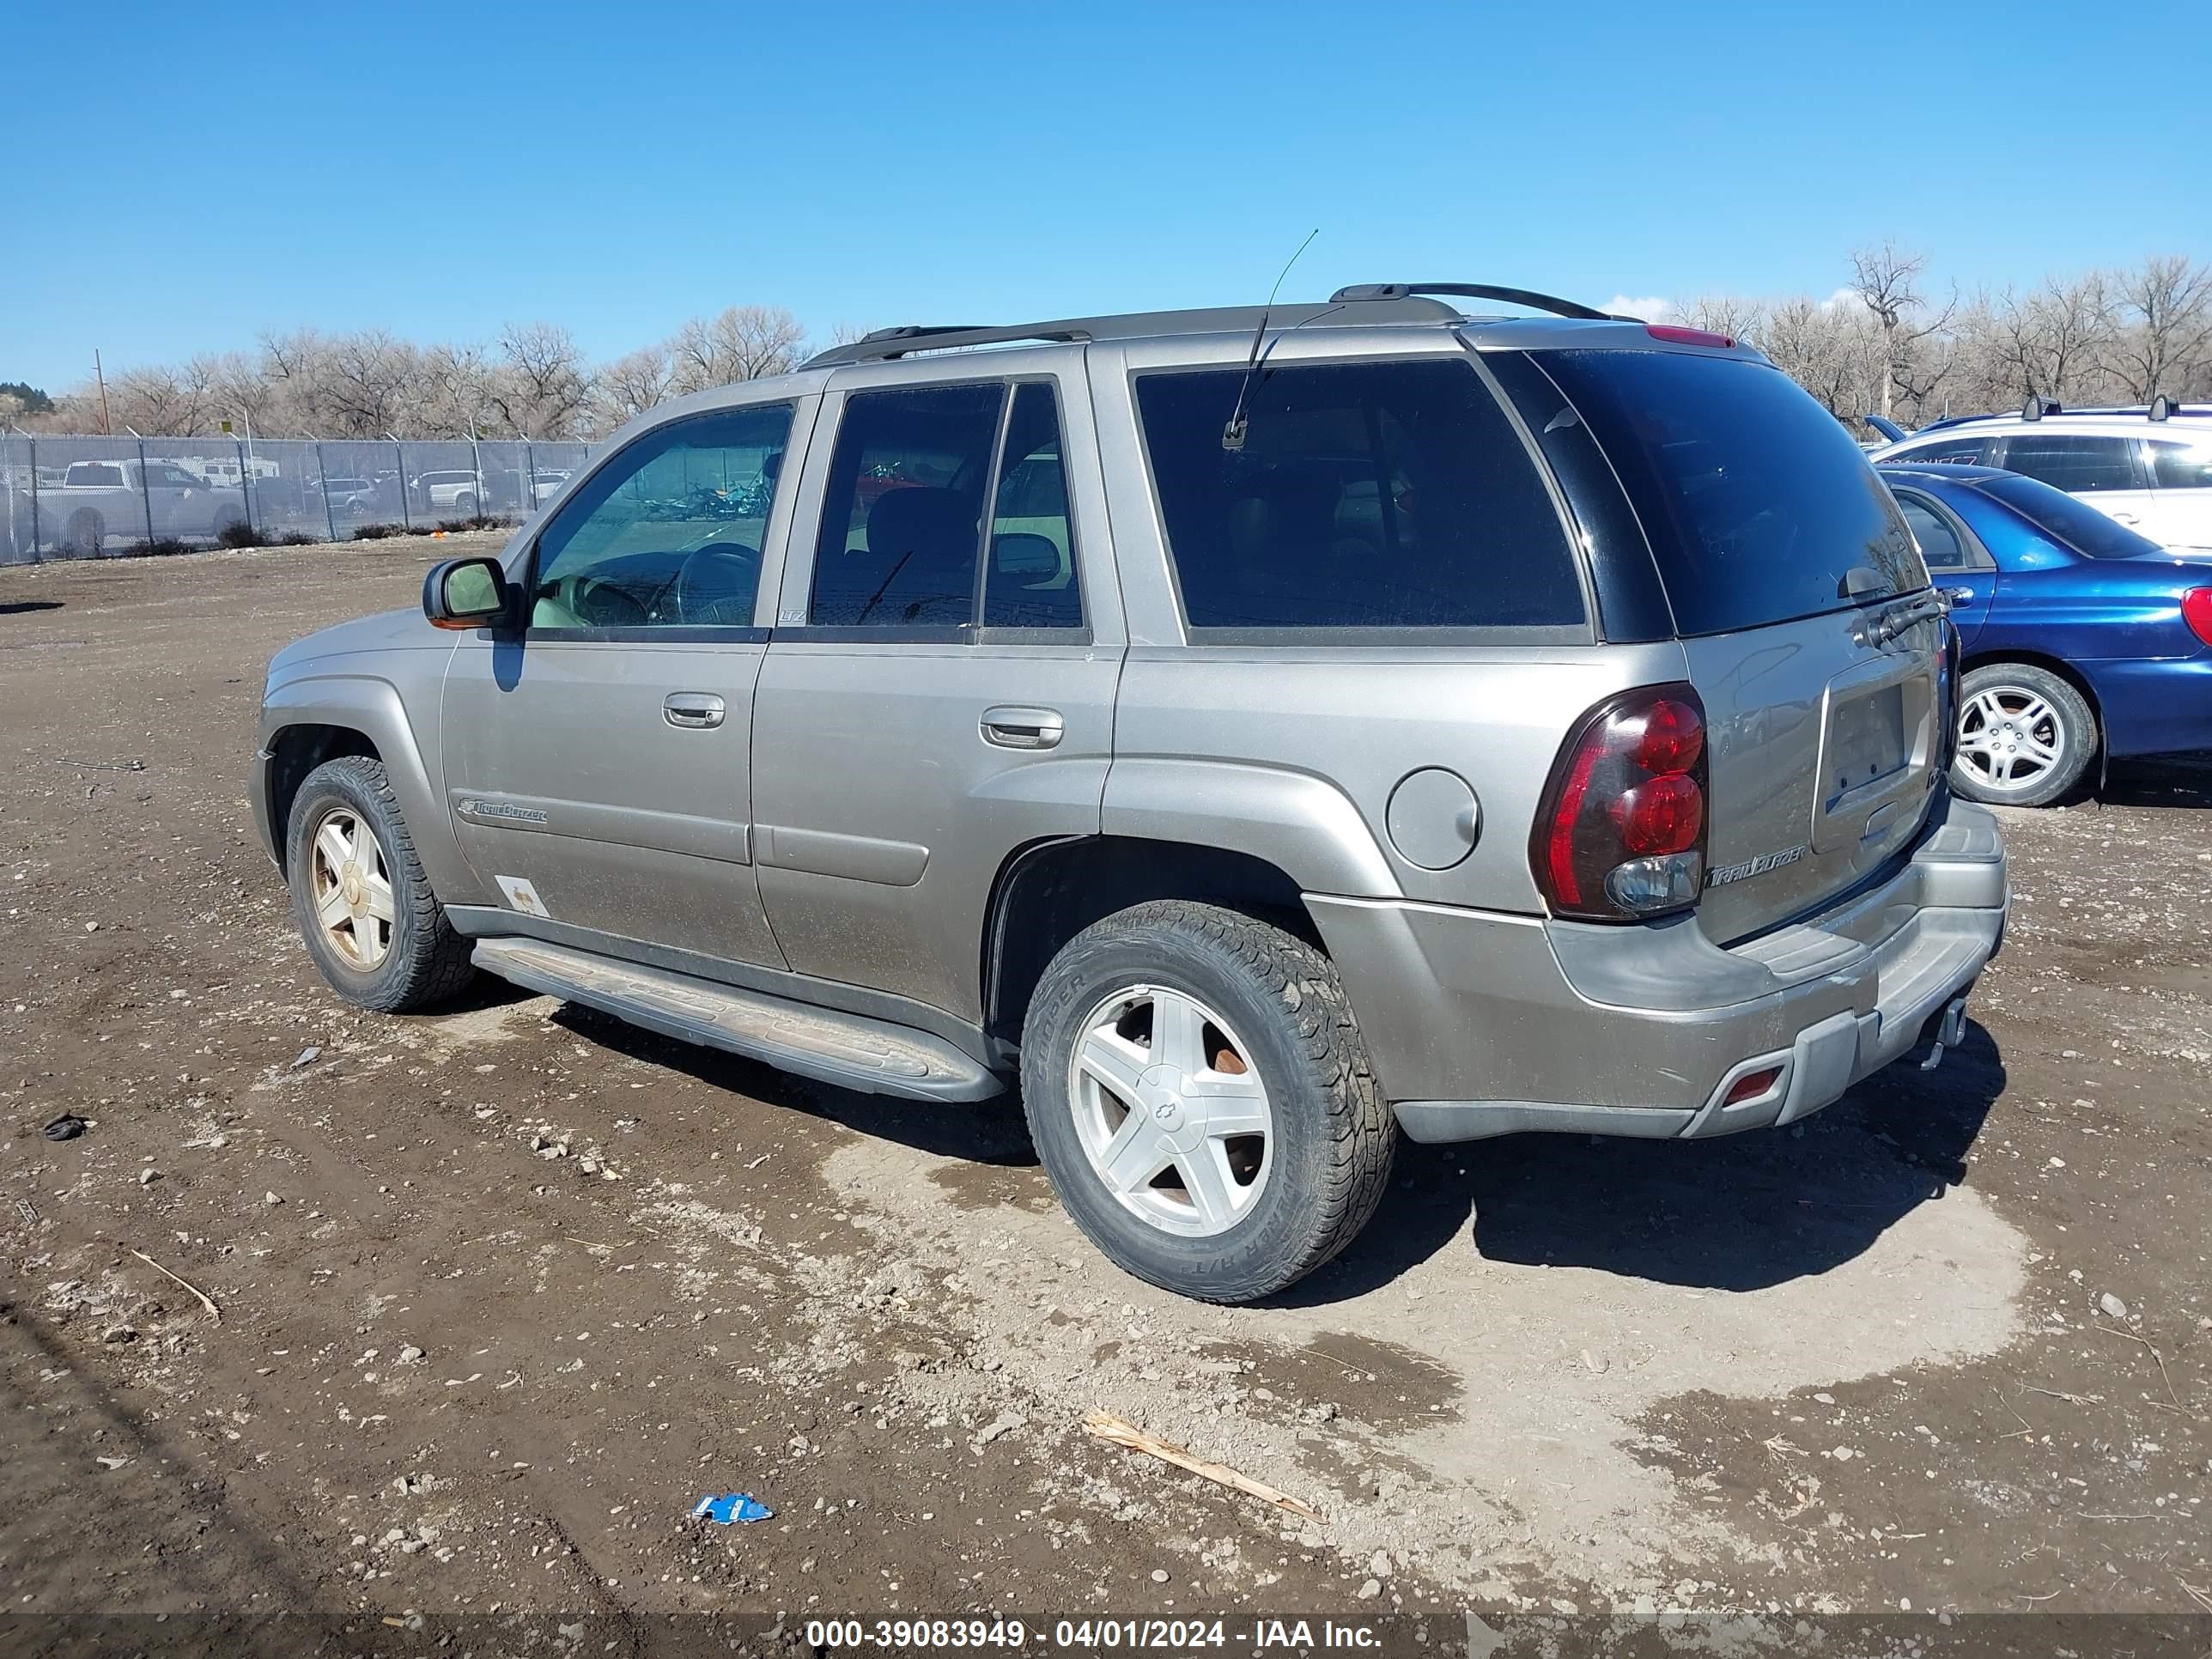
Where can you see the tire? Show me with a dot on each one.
(465, 506)
(2025, 736)
(87, 534)
(1255, 1213)
(408, 961)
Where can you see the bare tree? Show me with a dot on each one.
(629, 385)
(2169, 347)
(1725, 313)
(361, 381)
(540, 389)
(1886, 279)
(744, 342)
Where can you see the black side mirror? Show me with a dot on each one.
(466, 593)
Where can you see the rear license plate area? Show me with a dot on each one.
(1867, 742)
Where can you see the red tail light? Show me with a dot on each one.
(1621, 832)
(1696, 336)
(2196, 612)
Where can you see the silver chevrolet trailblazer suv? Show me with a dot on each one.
(1257, 732)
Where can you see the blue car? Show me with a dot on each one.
(2079, 636)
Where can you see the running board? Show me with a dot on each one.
(850, 1050)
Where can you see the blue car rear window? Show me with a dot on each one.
(2076, 523)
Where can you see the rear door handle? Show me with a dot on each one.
(1013, 727)
(693, 709)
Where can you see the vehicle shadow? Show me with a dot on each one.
(989, 1132)
(18, 607)
(1739, 1214)
(2168, 780)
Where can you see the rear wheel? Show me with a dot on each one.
(1199, 1093)
(2025, 736)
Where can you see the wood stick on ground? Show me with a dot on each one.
(2114, 1330)
(206, 1301)
(1128, 1435)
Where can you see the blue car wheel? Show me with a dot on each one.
(2025, 736)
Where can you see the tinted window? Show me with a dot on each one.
(668, 532)
(96, 472)
(1939, 543)
(1031, 580)
(2078, 524)
(1759, 506)
(2072, 463)
(2181, 467)
(1365, 495)
(901, 520)
(1959, 452)
(167, 475)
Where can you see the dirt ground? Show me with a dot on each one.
(504, 1292)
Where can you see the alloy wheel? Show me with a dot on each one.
(2010, 738)
(351, 889)
(1171, 1111)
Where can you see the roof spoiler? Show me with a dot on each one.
(1517, 296)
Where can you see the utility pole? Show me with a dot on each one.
(100, 374)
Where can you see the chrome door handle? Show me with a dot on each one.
(692, 709)
(1011, 727)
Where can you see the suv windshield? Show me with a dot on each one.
(2080, 525)
(1759, 506)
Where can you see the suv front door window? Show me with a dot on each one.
(598, 766)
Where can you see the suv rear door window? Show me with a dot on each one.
(2076, 464)
(1759, 506)
(1031, 581)
(2181, 466)
(1366, 495)
(902, 514)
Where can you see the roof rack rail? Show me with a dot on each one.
(1518, 296)
(886, 344)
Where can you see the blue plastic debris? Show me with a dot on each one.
(737, 1506)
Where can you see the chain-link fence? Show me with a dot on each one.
(83, 498)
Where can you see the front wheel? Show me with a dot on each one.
(2025, 736)
(363, 903)
(1199, 1093)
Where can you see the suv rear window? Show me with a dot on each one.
(1757, 504)
(1366, 495)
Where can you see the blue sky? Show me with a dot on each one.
(181, 178)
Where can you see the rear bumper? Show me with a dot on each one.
(2153, 705)
(1482, 1024)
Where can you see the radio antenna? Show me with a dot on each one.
(1232, 435)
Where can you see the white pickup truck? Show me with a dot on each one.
(133, 499)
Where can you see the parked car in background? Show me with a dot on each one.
(2078, 635)
(133, 499)
(458, 491)
(1470, 724)
(347, 497)
(2149, 468)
